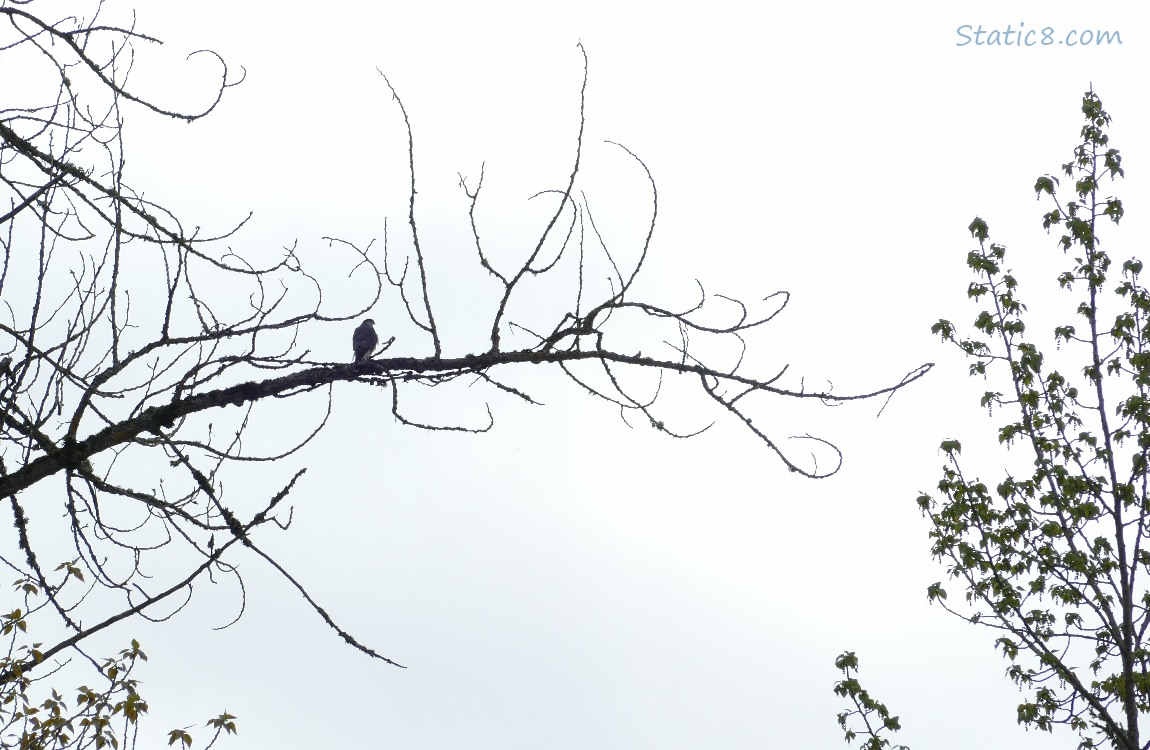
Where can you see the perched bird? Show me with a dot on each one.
(364, 340)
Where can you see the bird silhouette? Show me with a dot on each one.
(364, 340)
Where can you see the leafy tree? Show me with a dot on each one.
(1053, 559)
(136, 352)
(1053, 556)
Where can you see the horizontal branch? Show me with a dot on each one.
(157, 418)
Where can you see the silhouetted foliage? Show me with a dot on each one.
(1054, 559)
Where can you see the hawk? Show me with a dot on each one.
(364, 340)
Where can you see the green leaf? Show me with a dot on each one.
(979, 230)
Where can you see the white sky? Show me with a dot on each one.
(565, 581)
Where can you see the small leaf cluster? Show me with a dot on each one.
(105, 712)
(874, 716)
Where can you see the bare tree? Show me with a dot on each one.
(135, 351)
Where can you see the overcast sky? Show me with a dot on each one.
(566, 581)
